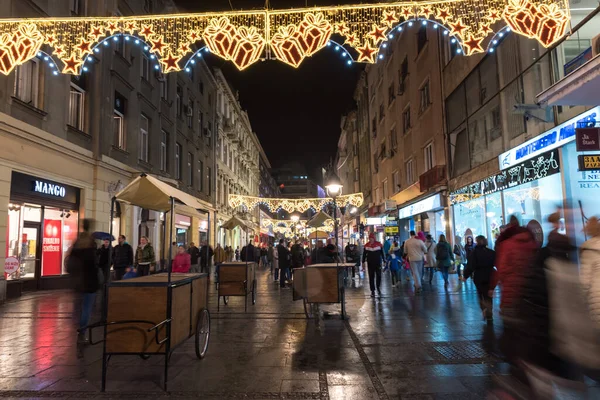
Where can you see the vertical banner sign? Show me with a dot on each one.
(51, 247)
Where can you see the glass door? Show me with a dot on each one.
(30, 269)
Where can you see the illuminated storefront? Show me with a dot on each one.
(42, 225)
(426, 215)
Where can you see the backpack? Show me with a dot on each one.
(442, 252)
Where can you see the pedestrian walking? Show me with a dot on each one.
(387, 245)
(220, 258)
(590, 268)
(270, 256)
(194, 253)
(206, 255)
(480, 267)
(431, 259)
(395, 264)
(229, 252)
(264, 260)
(145, 259)
(415, 250)
(444, 257)
(182, 262)
(275, 264)
(297, 255)
(248, 254)
(285, 260)
(351, 252)
(82, 266)
(237, 254)
(104, 259)
(122, 258)
(373, 256)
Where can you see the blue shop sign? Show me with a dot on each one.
(557, 137)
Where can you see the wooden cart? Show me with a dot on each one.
(237, 279)
(320, 284)
(169, 314)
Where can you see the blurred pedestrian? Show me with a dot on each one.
(373, 256)
(431, 260)
(297, 255)
(590, 268)
(395, 264)
(220, 258)
(330, 252)
(351, 252)
(559, 245)
(480, 267)
(415, 250)
(182, 261)
(145, 257)
(270, 255)
(194, 253)
(206, 255)
(104, 259)
(444, 257)
(122, 258)
(263, 256)
(248, 254)
(285, 260)
(275, 264)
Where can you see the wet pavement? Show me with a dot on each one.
(401, 346)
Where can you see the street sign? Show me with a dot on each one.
(590, 162)
(391, 229)
(587, 139)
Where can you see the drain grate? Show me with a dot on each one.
(461, 351)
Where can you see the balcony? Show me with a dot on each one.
(434, 177)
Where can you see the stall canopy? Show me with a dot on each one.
(318, 235)
(233, 222)
(318, 220)
(148, 192)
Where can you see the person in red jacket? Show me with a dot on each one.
(182, 261)
(373, 255)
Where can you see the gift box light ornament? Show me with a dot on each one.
(19, 47)
(287, 47)
(315, 32)
(546, 23)
(218, 36)
(246, 48)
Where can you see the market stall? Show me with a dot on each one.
(152, 315)
(237, 279)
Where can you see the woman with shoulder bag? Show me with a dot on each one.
(444, 256)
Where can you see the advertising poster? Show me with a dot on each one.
(51, 247)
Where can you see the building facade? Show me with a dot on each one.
(238, 171)
(295, 182)
(70, 143)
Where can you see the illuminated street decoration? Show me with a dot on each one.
(291, 205)
(243, 37)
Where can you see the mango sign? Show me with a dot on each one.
(589, 162)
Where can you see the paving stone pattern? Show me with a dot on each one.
(402, 346)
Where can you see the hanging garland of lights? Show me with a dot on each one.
(245, 37)
(291, 205)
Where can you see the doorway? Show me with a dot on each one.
(31, 255)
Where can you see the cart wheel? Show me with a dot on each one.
(144, 356)
(254, 292)
(343, 298)
(307, 308)
(202, 333)
(225, 300)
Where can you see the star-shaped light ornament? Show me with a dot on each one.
(457, 29)
(485, 28)
(59, 50)
(367, 53)
(341, 28)
(84, 47)
(71, 65)
(378, 34)
(407, 13)
(96, 32)
(351, 40)
(112, 27)
(493, 15)
(443, 14)
(425, 11)
(184, 48)
(194, 36)
(473, 45)
(50, 39)
(390, 18)
(131, 26)
(170, 62)
(146, 31)
(158, 45)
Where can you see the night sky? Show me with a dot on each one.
(295, 112)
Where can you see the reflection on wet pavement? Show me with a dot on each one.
(430, 346)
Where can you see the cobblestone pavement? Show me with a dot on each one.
(402, 346)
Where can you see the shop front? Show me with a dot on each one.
(530, 190)
(183, 224)
(426, 215)
(42, 224)
(375, 225)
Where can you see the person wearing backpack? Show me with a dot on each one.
(444, 256)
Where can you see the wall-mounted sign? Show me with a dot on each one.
(430, 203)
(587, 139)
(560, 135)
(390, 205)
(376, 221)
(391, 230)
(51, 189)
(589, 162)
(11, 265)
(43, 191)
(544, 165)
(51, 247)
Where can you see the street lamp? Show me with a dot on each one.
(334, 189)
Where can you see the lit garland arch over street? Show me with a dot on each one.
(291, 205)
(286, 35)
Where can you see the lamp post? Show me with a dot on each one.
(334, 189)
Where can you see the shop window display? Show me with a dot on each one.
(469, 219)
(494, 217)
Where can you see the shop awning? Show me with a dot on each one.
(318, 220)
(189, 211)
(318, 235)
(148, 192)
(233, 222)
(578, 88)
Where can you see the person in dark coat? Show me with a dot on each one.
(480, 267)
(194, 253)
(103, 254)
(82, 265)
(351, 252)
(248, 253)
(206, 254)
(297, 255)
(285, 258)
(122, 258)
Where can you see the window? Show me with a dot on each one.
(146, 68)
(178, 100)
(201, 87)
(119, 131)
(396, 181)
(356, 174)
(402, 75)
(381, 113)
(226, 155)
(144, 128)
(121, 49)
(451, 49)
(200, 176)
(26, 82)
(385, 190)
(177, 161)
(76, 106)
(375, 163)
(189, 112)
(393, 139)
(409, 172)
(429, 157)
(164, 140)
(77, 7)
(421, 38)
(164, 88)
(190, 167)
(374, 127)
(200, 121)
(406, 119)
(209, 180)
(424, 97)
(391, 94)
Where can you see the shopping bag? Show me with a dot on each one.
(130, 274)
